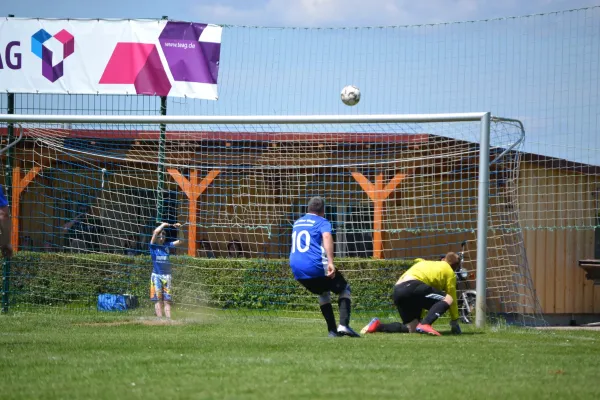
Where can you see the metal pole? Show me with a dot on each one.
(161, 158)
(482, 220)
(240, 119)
(8, 187)
(161, 163)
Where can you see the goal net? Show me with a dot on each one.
(87, 196)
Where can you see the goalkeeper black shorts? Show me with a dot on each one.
(411, 297)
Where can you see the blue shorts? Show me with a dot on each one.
(160, 287)
(3, 200)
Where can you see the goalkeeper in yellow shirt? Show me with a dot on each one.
(429, 285)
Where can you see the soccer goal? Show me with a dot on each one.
(397, 187)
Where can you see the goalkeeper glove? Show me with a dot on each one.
(455, 327)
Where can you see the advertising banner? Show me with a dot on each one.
(157, 58)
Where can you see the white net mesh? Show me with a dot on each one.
(394, 192)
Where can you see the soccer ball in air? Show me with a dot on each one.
(350, 95)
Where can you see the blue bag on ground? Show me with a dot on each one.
(111, 302)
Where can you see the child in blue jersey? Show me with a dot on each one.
(5, 225)
(311, 260)
(160, 281)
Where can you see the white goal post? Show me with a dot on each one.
(483, 118)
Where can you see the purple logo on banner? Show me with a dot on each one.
(189, 59)
(52, 50)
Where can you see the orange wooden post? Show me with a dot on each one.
(193, 213)
(193, 190)
(19, 185)
(378, 193)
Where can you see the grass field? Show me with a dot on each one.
(100, 356)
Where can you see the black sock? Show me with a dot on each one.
(394, 327)
(435, 312)
(327, 311)
(345, 306)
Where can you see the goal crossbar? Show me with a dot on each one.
(250, 119)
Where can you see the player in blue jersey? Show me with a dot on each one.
(160, 281)
(311, 260)
(5, 225)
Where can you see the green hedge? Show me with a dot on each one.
(64, 278)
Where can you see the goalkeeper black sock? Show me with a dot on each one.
(394, 327)
(327, 311)
(345, 306)
(435, 312)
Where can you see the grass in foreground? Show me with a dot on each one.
(108, 357)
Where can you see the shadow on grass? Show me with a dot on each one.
(468, 333)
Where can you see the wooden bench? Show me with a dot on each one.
(592, 270)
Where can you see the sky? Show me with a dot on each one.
(306, 13)
(543, 70)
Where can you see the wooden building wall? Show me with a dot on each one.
(555, 207)
(557, 212)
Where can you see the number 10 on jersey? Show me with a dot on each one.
(300, 241)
